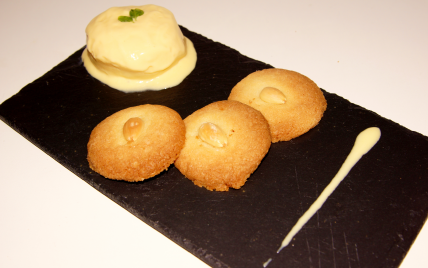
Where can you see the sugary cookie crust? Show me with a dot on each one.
(156, 148)
(302, 110)
(248, 141)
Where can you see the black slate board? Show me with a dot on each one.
(371, 219)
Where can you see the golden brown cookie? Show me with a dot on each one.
(291, 102)
(136, 143)
(225, 143)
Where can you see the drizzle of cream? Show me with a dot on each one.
(364, 142)
(267, 262)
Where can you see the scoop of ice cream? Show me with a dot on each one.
(151, 43)
(148, 52)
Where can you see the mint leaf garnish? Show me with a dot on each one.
(133, 14)
(125, 19)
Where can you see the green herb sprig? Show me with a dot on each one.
(133, 14)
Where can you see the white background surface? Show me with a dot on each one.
(373, 53)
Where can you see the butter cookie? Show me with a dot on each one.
(136, 143)
(291, 102)
(225, 143)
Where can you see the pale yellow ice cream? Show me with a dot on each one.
(149, 52)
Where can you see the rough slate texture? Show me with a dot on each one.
(371, 219)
